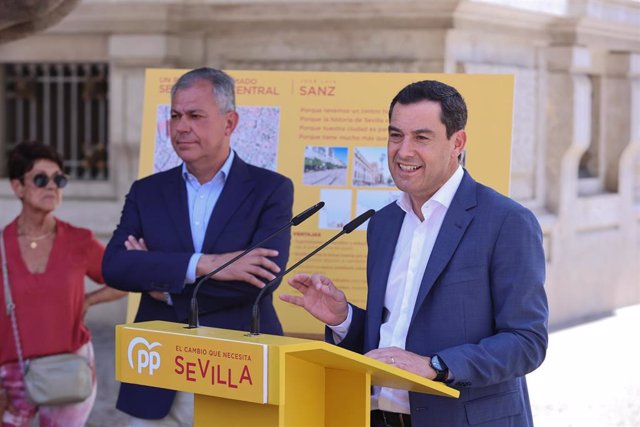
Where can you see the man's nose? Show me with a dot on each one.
(182, 125)
(405, 147)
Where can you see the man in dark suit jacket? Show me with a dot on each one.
(183, 223)
(455, 275)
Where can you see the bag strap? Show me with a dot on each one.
(11, 307)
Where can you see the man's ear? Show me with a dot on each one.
(459, 142)
(231, 122)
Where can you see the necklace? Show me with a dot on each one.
(33, 241)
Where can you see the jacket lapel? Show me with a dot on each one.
(236, 189)
(178, 208)
(453, 227)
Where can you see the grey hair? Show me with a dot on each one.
(223, 86)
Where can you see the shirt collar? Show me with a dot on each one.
(443, 196)
(223, 172)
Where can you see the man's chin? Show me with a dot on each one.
(187, 154)
(403, 184)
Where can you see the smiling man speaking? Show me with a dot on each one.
(455, 277)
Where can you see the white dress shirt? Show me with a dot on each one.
(412, 252)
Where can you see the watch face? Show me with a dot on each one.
(435, 363)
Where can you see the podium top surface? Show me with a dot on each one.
(206, 332)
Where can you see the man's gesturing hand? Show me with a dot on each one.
(320, 298)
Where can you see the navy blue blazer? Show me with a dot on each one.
(254, 203)
(481, 306)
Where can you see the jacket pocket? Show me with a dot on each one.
(493, 408)
(464, 274)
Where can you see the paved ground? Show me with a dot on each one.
(591, 377)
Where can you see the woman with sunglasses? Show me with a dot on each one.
(47, 261)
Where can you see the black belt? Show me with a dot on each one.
(389, 419)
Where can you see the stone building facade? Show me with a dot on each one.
(576, 155)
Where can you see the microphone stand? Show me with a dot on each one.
(193, 308)
(348, 228)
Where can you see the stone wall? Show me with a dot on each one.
(575, 159)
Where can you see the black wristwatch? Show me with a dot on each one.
(442, 371)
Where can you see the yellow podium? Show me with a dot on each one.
(262, 380)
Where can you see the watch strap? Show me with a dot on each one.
(440, 367)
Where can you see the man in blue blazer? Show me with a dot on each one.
(183, 223)
(455, 275)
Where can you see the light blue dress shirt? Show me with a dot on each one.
(202, 199)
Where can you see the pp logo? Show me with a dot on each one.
(145, 357)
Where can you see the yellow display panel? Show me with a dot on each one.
(327, 131)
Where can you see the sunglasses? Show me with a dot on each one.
(41, 180)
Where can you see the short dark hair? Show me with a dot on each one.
(454, 109)
(223, 86)
(23, 156)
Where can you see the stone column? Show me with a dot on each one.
(568, 122)
(623, 69)
(568, 117)
(129, 56)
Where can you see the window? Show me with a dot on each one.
(63, 105)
